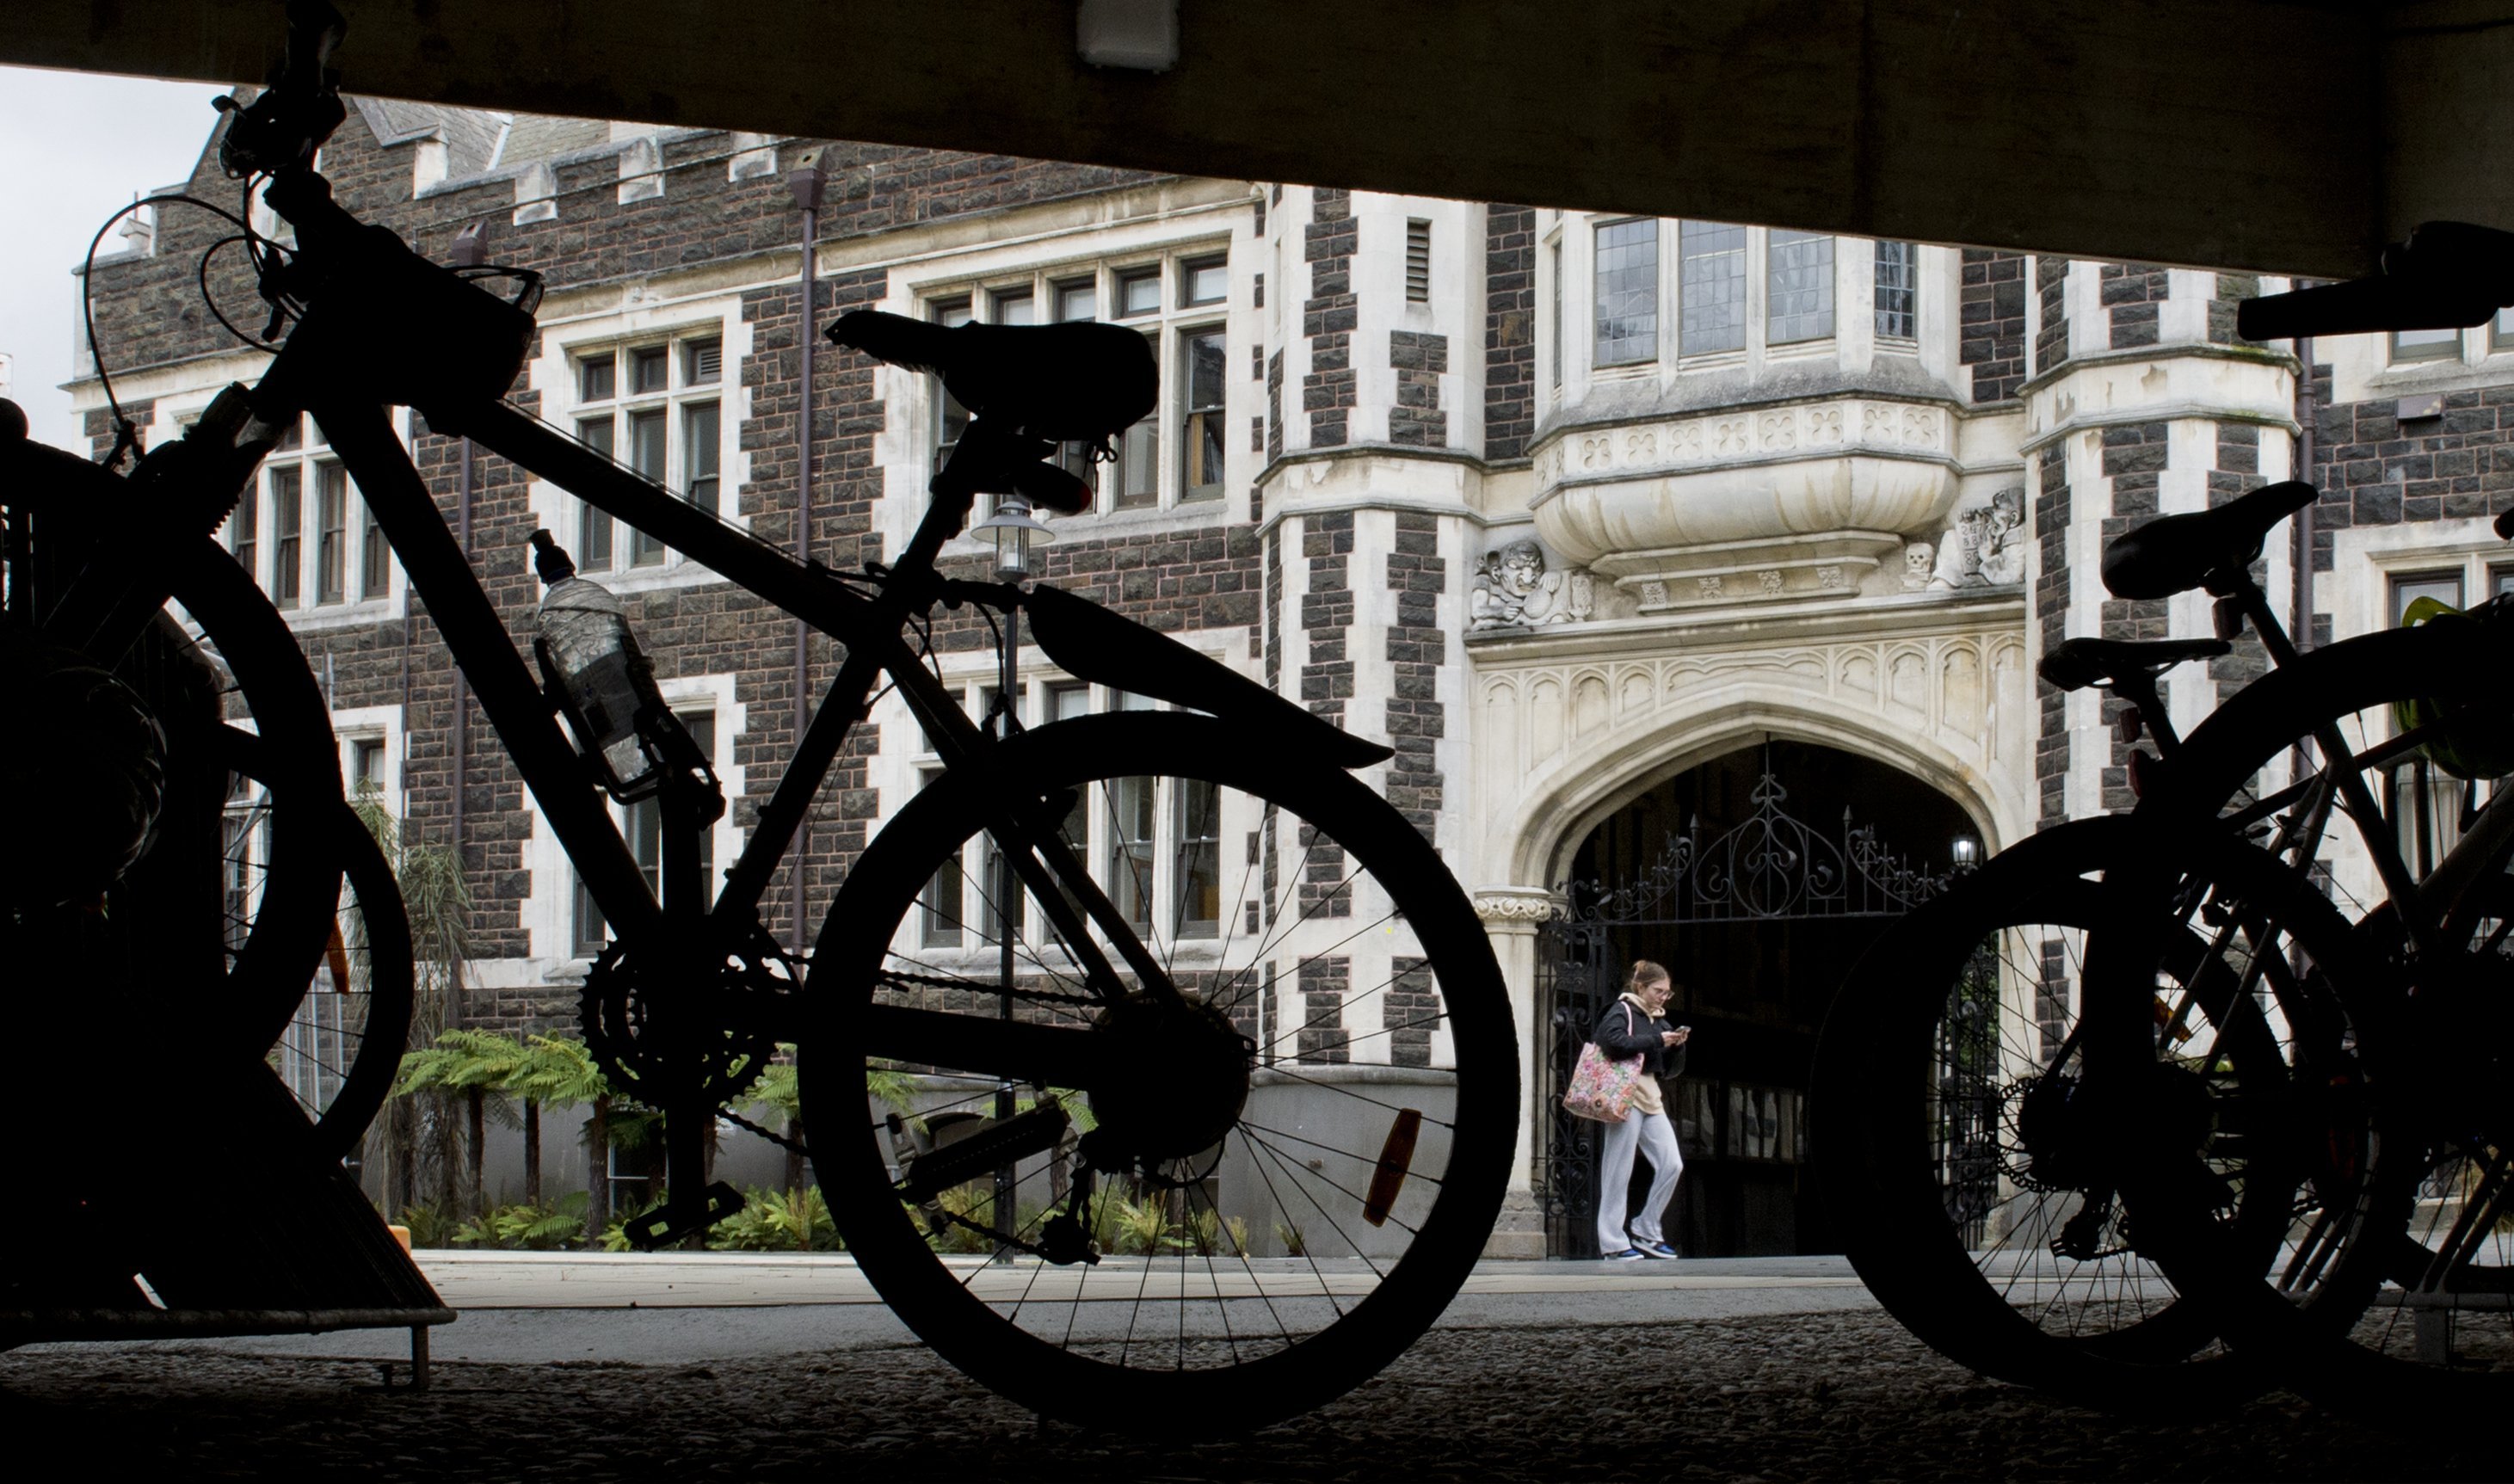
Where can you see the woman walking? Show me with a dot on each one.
(1635, 1025)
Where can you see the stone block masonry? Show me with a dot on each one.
(2134, 463)
(1331, 392)
(1993, 308)
(2052, 337)
(1510, 330)
(2232, 290)
(2238, 472)
(2051, 595)
(1418, 649)
(1326, 615)
(2131, 294)
(1419, 359)
(1324, 982)
(2375, 470)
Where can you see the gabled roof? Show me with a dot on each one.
(470, 136)
(543, 137)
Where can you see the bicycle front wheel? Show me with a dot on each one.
(1298, 1158)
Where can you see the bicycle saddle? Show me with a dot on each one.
(1080, 382)
(2445, 275)
(2176, 553)
(2081, 662)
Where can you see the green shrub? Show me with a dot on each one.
(551, 1225)
(788, 1220)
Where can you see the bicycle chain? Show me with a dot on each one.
(791, 1145)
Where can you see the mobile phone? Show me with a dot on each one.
(1684, 1030)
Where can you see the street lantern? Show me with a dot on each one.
(1968, 853)
(1014, 531)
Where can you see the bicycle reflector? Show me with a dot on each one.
(592, 668)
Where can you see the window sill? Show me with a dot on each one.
(356, 615)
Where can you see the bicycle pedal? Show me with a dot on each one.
(673, 1221)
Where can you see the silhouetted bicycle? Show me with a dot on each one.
(1243, 1038)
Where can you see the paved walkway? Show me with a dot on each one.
(671, 1308)
(772, 1368)
(486, 1280)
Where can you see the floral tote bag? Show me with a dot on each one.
(1602, 1088)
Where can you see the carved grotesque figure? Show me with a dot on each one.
(1512, 588)
(2002, 539)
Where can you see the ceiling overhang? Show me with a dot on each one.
(2274, 135)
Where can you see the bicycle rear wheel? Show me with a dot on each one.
(1297, 1171)
(1959, 1157)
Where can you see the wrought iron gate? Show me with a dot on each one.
(1771, 868)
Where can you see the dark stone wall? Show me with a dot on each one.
(2238, 472)
(2051, 595)
(2131, 294)
(1510, 330)
(1992, 338)
(1419, 358)
(150, 313)
(2232, 290)
(1326, 615)
(2134, 463)
(1329, 394)
(1418, 648)
(2375, 469)
(2052, 337)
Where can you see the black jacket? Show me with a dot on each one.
(1658, 1059)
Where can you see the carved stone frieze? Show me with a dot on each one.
(1967, 696)
(1898, 427)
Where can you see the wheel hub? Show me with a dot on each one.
(1180, 1078)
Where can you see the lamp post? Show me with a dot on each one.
(1014, 531)
(807, 182)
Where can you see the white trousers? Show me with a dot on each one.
(1654, 1136)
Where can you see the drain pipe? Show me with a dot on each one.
(805, 180)
(2300, 560)
(469, 253)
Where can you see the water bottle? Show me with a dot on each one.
(602, 681)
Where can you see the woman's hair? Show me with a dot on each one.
(1646, 972)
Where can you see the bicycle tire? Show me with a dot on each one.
(1055, 1360)
(342, 1043)
(1950, 1236)
(279, 926)
(2379, 1366)
(51, 501)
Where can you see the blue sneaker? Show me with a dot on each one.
(1655, 1250)
(1627, 1254)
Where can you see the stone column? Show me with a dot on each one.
(1510, 917)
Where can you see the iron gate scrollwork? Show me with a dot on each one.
(1770, 867)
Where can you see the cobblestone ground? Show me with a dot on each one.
(1810, 1396)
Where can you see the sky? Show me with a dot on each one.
(73, 148)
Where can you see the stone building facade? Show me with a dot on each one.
(1561, 507)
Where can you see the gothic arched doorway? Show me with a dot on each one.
(1757, 878)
